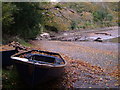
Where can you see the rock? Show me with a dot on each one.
(77, 38)
(38, 38)
(65, 34)
(67, 39)
(46, 35)
(52, 36)
(98, 39)
(71, 39)
(82, 39)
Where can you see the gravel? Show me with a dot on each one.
(82, 58)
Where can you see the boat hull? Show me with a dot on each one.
(6, 57)
(34, 74)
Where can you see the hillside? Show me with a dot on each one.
(28, 19)
(67, 16)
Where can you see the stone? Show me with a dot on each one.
(45, 35)
(98, 39)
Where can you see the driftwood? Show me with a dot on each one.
(103, 33)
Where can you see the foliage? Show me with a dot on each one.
(95, 14)
(7, 16)
(21, 19)
(11, 79)
(99, 15)
(27, 20)
(74, 25)
(23, 42)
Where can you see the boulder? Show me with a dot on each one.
(98, 39)
(45, 35)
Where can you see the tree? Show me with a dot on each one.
(27, 20)
(7, 16)
(99, 15)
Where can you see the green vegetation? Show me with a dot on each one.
(21, 19)
(11, 79)
(94, 15)
(27, 19)
(23, 42)
(115, 40)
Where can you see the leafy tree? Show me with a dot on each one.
(99, 15)
(27, 20)
(7, 16)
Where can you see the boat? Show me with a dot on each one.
(5, 54)
(37, 66)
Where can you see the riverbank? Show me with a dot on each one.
(79, 46)
(79, 73)
(98, 34)
(94, 54)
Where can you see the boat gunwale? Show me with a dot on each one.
(38, 64)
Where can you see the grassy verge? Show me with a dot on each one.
(24, 43)
(115, 40)
(6, 40)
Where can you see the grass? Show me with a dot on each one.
(23, 42)
(115, 40)
(10, 79)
